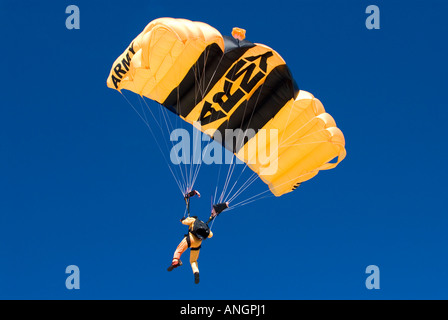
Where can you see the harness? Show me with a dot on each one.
(217, 209)
(187, 197)
(187, 237)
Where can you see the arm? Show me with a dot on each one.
(188, 221)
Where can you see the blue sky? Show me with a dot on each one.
(84, 184)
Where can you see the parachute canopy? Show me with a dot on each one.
(242, 94)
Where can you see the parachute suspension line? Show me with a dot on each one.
(202, 87)
(217, 182)
(229, 175)
(203, 74)
(228, 178)
(192, 172)
(182, 166)
(194, 165)
(185, 212)
(236, 181)
(247, 201)
(132, 106)
(161, 113)
(214, 73)
(198, 168)
(219, 170)
(251, 199)
(169, 127)
(187, 207)
(257, 196)
(211, 209)
(180, 177)
(213, 221)
(199, 84)
(206, 88)
(232, 161)
(245, 185)
(231, 168)
(179, 105)
(200, 80)
(242, 141)
(158, 145)
(192, 151)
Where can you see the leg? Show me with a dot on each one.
(194, 255)
(195, 245)
(183, 245)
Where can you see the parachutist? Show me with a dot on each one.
(197, 231)
(249, 89)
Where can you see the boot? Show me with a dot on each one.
(174, 264)
(196, 277)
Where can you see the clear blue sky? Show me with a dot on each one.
(82, 181)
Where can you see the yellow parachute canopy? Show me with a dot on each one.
(233, 87)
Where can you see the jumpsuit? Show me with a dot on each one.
(193, 242)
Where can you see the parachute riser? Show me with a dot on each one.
(187, 197)
(217, 209)
(187, 203)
